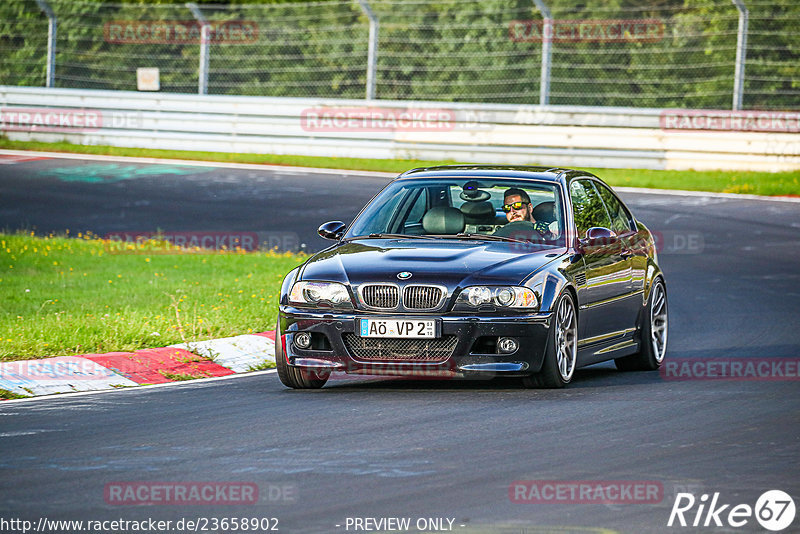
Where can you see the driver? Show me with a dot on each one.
(517, 205)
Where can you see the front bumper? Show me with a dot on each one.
(474, 353)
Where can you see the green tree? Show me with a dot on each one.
(447, 50)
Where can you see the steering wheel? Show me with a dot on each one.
(518, 227)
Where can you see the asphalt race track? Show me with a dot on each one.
(380, 448)
(106, 197)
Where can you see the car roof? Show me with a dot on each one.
(550, 174)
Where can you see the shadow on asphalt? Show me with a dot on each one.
(595, 377)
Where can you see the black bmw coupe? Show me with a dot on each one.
(477, 270)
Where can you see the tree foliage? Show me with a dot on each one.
(446, 50)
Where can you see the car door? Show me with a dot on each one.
(605, 300)
(623, 225)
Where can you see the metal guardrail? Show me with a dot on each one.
(511, 134)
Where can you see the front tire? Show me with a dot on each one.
(293, 377)
(562, 348)
(653, 343)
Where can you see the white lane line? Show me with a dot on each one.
(184, 383)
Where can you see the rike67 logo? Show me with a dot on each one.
(774, 510)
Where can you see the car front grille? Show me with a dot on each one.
(422, 297)
(380, 296)
(415, 297)
(404, 350)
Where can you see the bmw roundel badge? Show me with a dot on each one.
(405, 275)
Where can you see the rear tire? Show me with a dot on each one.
(562, 348)
(653, 343)
(293, 377)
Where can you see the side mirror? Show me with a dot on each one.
(598, 236)
(332, 230)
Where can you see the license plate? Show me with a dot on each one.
(399, 328)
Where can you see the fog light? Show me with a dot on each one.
(302, 340)
(507, 345)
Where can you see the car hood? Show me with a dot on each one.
(453, 263)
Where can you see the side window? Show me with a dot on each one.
(588, 207)
(620, 220)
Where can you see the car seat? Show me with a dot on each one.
(545, 212)
(443, 220)
(478, 212)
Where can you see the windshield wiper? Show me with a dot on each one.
(398, 236)
(462, 235)
(490, 237)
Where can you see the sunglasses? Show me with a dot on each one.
(514, 205)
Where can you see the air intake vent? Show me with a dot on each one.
(385, 297)
(580, 279)
(405, 350)
(422, 297)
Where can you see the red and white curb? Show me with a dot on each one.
(93, 372)
(239, 354)
(58, 375)
(10, 159)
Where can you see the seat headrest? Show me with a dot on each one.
(478, 212)
(443, 220)
(545, 212)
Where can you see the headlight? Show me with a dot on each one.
(477, 296)
(320, 293)
(504, 297)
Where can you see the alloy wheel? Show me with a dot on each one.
(566, 339)
(658, 322)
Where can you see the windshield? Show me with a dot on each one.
(465, 208)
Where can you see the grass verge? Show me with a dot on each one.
(755, 183)
(177, 377)
(64, 296)
(8, 395)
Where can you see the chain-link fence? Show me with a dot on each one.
(659, 53)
